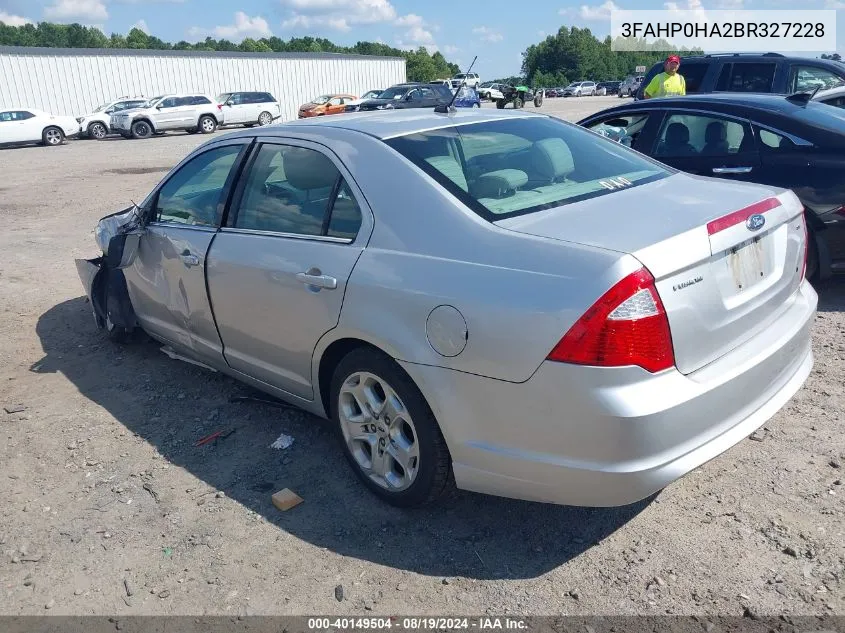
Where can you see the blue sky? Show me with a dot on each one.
(498, 31)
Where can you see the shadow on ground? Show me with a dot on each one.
(831, 294)
(171, 405)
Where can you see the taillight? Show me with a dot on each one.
(220, 106)
(626, 326)
(806, 245)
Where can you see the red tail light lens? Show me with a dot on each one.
(626, 326)
(806, 245)
(219, 106)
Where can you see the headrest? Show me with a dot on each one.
(677, 133)
(552, 159)
(497, 184)
(716, 132)
(307, 169)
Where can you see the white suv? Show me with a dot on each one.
(190, 112)
(98, 124)
(248, 108)
(470, 79)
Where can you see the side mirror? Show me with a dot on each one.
(159, 107)
(123, 248)
(110, 111)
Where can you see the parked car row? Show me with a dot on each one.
(139, 117)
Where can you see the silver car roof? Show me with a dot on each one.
(385, 125)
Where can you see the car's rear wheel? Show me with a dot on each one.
(517, 103)
(265, 118)
(53, 136)
(207, 124)
(388, 432)
(97, 131)
(141, 129)
(500, 104)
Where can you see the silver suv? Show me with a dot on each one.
(190, 112)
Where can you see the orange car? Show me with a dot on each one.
(325, 104)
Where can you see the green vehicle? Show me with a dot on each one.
(519, 96)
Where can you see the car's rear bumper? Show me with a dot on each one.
(596, 436)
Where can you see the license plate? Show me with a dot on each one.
(747, 263)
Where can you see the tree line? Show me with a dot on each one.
(420, 65)
(575, 54)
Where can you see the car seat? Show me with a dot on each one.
(676, 141)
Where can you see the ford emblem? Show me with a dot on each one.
(755, 222)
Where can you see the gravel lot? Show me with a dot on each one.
(110, 508)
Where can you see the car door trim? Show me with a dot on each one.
(296, 236)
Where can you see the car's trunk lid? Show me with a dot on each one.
(722, 274)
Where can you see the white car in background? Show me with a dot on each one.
(469, 79)
(248, 108)
(25, 125)
(98, 124)
(490, 90)
(832, 96)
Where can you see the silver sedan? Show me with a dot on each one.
(500, 301)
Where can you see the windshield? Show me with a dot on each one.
(574, 84)
(511, 167)
(321, 99)
(152, 102)
(102, 107)
(224, 97)
(397, 92)
(372, 94)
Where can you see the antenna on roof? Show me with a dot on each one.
(446, 109)
(803, 98)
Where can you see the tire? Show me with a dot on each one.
(142, 129)
(517, 103)
(416, 430)
(476, 105)
(207, 124)
(192, 130)
(500, 104)
(52, 136)
(265, 118)
(98, 131)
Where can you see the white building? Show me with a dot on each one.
(74, 81)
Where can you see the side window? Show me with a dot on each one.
(808, 78)
(170, 102)
(22, 115)
(237, 99)
(696, 135)
(194, 101)
(693, 76)
(624, 129)
(266, 97)
(771, 142)
(746, 77)
(287, 190)
(415, 95)
(345, 220)
(335, 101)
(5, 117)
(193, 194)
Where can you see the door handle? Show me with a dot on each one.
(732, 170)
(317, 280)
(189, 259)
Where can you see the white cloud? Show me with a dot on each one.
(409, 20)
(141, 24)
(598, 12)
(487, 34)
(340, 15)
(450, 50)
(835, 4)
(13, 20)
(734, 5)
(243, 27)
(77, 10)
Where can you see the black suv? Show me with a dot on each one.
(741, 72)
(409, 95)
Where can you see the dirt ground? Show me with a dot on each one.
(108, 507)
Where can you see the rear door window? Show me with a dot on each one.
(808, 78)
(686, 135)
(747, 77)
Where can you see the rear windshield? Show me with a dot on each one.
(511, 167)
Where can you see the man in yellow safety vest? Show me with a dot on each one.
(669, 83)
